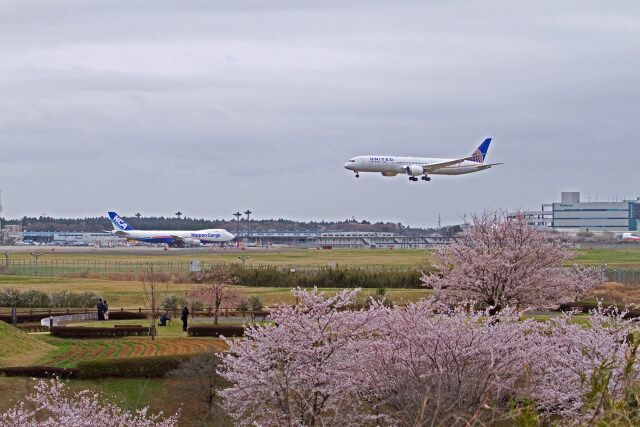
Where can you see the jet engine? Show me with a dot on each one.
(414, 170)
(192, 242)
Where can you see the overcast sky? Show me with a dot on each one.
(210, 107)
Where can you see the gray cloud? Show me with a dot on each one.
(211, 107)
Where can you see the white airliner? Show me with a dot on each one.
(630, 237)
(172, 238)
(416, 166)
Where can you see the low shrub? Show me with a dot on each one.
(140, 367)
(34, 298)
(215, 330)
(33, 327)
(255, 303)
(87, 332)
(36, 317)
(40, 372)
(173, 302)
(126, 315)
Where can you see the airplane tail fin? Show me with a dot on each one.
(481, 152)
(119, 223)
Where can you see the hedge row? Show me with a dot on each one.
(36, 317)
(35, 298)
(337, 277)
(126, 315)
(144, 367)
(40, 372)
(586, 307)
(215, 330)
(86, 332)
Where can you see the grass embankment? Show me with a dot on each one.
(622, 258)
(283, 257)
(17, 347)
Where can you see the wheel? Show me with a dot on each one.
(428, 179)
(357, 175)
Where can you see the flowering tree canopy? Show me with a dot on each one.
(54, 408)
(323, 364)
(504, 261)
(216, 289)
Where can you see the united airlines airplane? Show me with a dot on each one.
(417, 166)
(172, 238)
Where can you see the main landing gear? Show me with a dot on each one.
(415, 178)
(426, 178)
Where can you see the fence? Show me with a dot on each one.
(80, 268)
(628, 277)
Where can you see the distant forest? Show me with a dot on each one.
(161, 223)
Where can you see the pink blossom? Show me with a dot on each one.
(55, 408)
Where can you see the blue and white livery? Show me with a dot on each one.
(421, 166)
(172, 237)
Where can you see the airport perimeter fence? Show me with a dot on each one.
(86, 268)
(104, 269)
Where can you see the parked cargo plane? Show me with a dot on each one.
(416, 166)
(172, 238)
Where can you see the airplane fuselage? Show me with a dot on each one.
(169, 236)
(393, 165)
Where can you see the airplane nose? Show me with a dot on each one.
(347, 165)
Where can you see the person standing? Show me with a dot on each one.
(105, 310)
(184, 318)
(100, 309)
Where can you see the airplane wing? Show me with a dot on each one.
(177, 239)
(435, 166)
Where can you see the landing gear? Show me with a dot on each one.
(357, 175)
(426, 178)
(413, 178)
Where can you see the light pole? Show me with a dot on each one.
(6, 255)
(237, 215)
(36, 255)
(244, 258)
(247, 213)
(178, 214)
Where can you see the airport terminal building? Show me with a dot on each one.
(572, 215)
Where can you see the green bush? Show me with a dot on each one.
(255, 303)
(171, 302)
(215, 330)
(139, 367)
(9, 297)
(33, 298)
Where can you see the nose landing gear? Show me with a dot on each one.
(357, 175)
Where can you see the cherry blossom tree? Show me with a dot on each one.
(499, 262)
(301, 371)
(325, 364)
(580, 280)
(216, 289)
(54, 407)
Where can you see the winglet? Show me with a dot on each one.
(119, 223)
(481, 152)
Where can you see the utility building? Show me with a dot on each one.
(573, 215)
